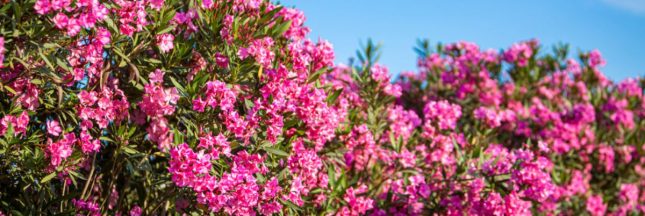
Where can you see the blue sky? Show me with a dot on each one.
(615, 27)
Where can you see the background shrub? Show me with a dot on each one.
(224, 107)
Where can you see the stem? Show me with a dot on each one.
(89, 178)
(63, 194)
(162, 201)
(112, 177)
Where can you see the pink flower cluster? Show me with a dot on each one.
(164, 42)
(236, 192)
(443, 113)
(260, 49)
(26, 93)
(108, 105)
(381, 75)
(72, 18)
(91, 207)
(18, 123)
(157, 103)
(61, 149)
(520, 53)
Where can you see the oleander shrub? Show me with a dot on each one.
(224, 107)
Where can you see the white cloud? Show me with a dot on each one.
(635, 6)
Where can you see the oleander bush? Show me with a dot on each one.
(224, 107)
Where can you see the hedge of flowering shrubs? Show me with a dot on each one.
(169, 107)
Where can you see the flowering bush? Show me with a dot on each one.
(162, 107)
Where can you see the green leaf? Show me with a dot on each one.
(276, 151)
(270, 15)
(331, 173)
(152, 60)
(118, 52)
(129, 150)
(107, 139)
(166, 30)
(331, 99)
(36, 81)
(282, 28)
(51, 45)
(48, 177)
(62, 64)
(313, 77)
(77, 175)
(179, 87)
(49, 64)
(291, 205)
(9, 89)
(178, 138)
(110, 24)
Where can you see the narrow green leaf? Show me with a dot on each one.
(107, 139)
(179, 87)
(51, 45)
(331, 99)
(276, 151)
(282, 28)
(51, 66)
(9, 89)
(129, 150)
(48, 177)
(166, 30)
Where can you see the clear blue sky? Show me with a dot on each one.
(615, 27)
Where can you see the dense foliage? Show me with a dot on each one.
(156, 107)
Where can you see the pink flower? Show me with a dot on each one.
(135, 211)
(297, 30)
(445, 113)
(629, 194)
(595, 59)
(159, 132)
(60, 20)
(103, 36)
(520, 52)
(218, 94)
(88, 143)
(359, 205)
(199, 105)
(156, 77)
(261, 50)
(595, 205)
(156, 4)
(60, 4)
(60, 150)
(158, 101)
(18, 123)
(514, 205)
(407, 159)
(87, 205)
(606, 156)
(42, 6)
(271, 208)
(164, 42)
(489, 116)
(207, 4)
(403, 122)
(393, 90)
(53, 127)
(73, 27)
(87, 98)
(221, 60)
(380, 73)
(2, 50)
